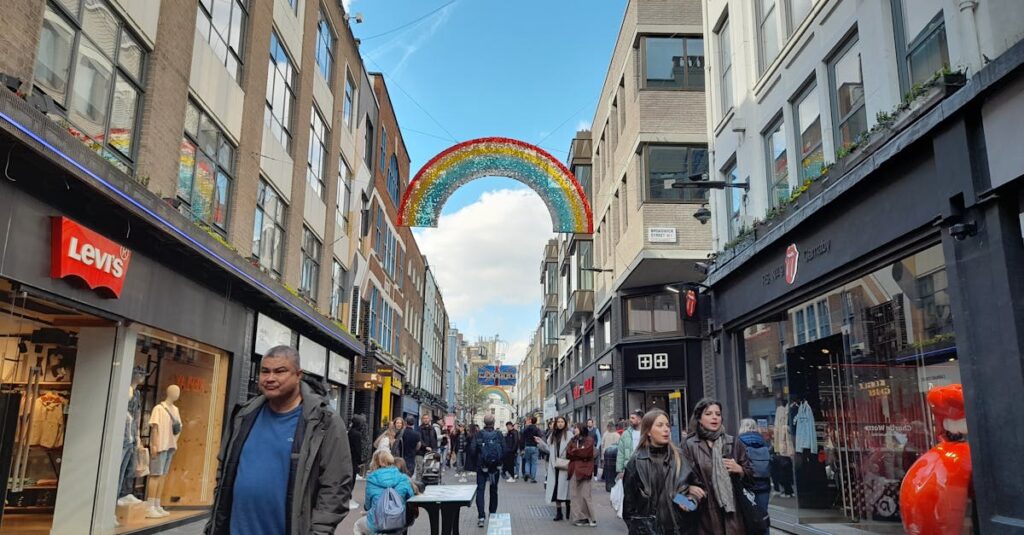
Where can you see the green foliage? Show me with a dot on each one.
(472, 398)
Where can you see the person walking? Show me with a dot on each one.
(628, 441)
(595, 433)
(384, 475)
(609, 455)
(428, 444)
(355, 442)
(386, 438)
(582, 454)
(487, 450)
(556, 489)
(398, 443)
(443, 446)
(470, 465)
(760, 454)
(529, 447)
(511, 448)
(720, 467)
(656, 473)
(461, 443)
(286, 463)
(410, 444)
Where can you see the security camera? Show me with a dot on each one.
(961, 231)
(702, 267)
(703, 215)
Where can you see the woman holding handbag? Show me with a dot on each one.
(556, 488)
(656, 474)
(581, 454)
(721, 467)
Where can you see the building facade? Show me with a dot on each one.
(877, 252)
(176, 200)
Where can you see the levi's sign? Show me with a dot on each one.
(81, 253)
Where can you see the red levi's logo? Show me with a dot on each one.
(792, 262)
(81, 253)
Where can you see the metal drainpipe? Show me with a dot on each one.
(970, 7)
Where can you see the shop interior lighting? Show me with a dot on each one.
(174, 229)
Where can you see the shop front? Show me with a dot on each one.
(656, 372)
(114, 380)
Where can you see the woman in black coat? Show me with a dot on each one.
(356, 431)
(653, 477)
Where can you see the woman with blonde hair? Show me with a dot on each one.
(384, 475)
(386, 439)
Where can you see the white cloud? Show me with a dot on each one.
(347, 4)
(517, 351)
(487, 254)
(583, 125)
(405, 45)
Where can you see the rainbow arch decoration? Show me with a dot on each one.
(501, 392)
(497, 156)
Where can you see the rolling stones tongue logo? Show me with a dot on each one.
(792, 262)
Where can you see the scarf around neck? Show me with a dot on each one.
(720, 480)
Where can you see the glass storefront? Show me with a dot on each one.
(838, 385)
(66, 440)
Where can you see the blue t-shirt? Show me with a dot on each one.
(261, 484)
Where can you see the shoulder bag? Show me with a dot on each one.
(754, 521)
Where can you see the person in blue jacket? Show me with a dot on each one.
(759, 452)
(384, 475)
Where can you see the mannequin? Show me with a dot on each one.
(131, 440)
(164, 428)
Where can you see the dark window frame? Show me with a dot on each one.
(698, 198)
(220, 167)
(309, 276)
(685, 39)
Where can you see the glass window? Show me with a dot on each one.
(798, 11)
(222, 24)
(674, 63)
(280, 93)
(316, 163)
(585, 277)
(809, 133)
(350, 100)
(652, 314)
(778, 164)
(734, 200)
(206, 167)
(268, 229)
(861, 384)
(768, 33)
(344, 195)
(725, 60)
(394, 186)
(294, 4)
(93, 67)
(324, 47)
(848, 95)
(309, 278)
(337, 288)
(666, 164)
(583, 176)
(368, 145)
(922, 40)
(383, 148)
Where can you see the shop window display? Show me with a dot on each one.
(844, 404)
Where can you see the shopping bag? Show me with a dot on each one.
(141, 462)
(616, 497)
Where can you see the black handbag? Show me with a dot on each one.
(755, 521)
(644, 525)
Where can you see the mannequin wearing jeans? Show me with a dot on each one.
(165, 426)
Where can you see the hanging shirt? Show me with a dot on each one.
(261, 483)
(781, 439)
(806, 436)
(47, 421)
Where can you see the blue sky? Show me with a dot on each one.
(528, 69)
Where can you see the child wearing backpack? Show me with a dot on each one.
(387, 491)
(759, 452)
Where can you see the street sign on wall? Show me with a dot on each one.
(497, 375)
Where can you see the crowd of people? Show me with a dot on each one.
(710, 483)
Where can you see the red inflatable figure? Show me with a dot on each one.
(933, 497)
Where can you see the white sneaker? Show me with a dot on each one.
(131, 499)
(353, 505)
(152, 512)
(163, 511)
(360, 478)
(510, 480)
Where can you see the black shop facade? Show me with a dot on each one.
(830, 330)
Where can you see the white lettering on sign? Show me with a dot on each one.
(92, 256)
(661, 235)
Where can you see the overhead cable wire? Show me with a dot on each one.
(408, 24)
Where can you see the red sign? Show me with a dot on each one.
(792, 261)
(586, 388)
(691, 303)
(81, 253)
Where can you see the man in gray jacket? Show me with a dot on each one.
(285, 464)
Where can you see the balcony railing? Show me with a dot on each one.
(581, 306)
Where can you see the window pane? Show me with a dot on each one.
(257, 232)
(186, 169)
(349, 100)
(100, 25)
(220, 17)
(71, 6)
(798, 11)
(122, 117)
(666, 313)
(639, 318)
(778, 164)
(88, 110)
(769, 33)
(849, 83)
(130, 56)
(203, 187)
(54, 57)
(237, 24)
(811, 158)
(663, 69)
(735, 202)
(694, 66)
(226, 154)
(928, 57)
(208, 135)
(668, 163)
(220, 200)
